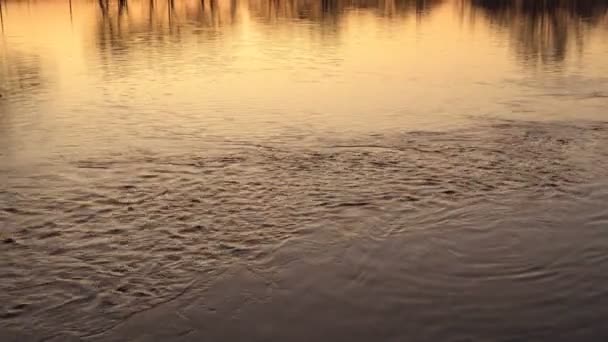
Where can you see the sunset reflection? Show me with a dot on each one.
(303, 170)
(539, 31)
(542, 31)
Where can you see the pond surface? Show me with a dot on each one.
(297, 170)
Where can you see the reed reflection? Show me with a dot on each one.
(1, 17)
(152, 26)
(212, 13)
(542, 31)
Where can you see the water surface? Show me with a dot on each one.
(300, 170)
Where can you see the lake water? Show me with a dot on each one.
(298, 170)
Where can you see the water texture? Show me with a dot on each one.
(301, 170)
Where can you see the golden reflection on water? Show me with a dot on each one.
(544, 30)
(265, 66)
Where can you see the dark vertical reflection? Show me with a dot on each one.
(329, 6)
(71, 15)
(170, 8)
(103, 6)
(1, 17)
(543, 31)
(150, 13)
(122, 7)
(233, 9)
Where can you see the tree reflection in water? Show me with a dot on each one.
(542, 31)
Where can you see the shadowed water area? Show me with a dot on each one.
(300, 170)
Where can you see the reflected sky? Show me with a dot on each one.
(539, 31)
(542, 31)
(125, 72)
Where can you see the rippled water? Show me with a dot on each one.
(304, 170)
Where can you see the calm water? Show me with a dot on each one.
(298, 170)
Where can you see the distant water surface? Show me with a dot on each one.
(297, 170)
